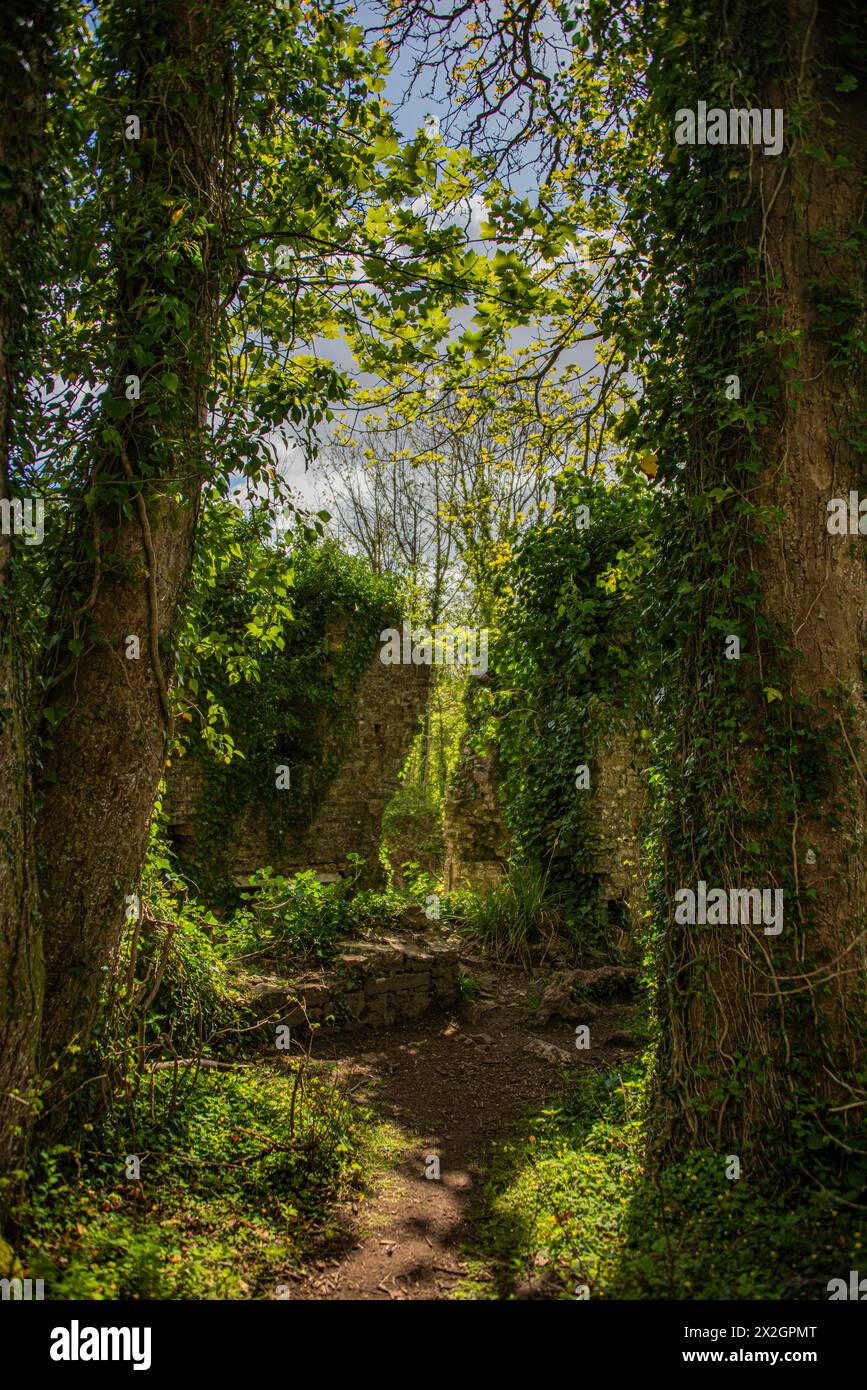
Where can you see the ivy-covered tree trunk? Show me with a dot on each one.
(107, 713)
(759, 404)
(26, 33)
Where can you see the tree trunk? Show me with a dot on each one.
(26, 37)
(107, 713)
(763, 1032)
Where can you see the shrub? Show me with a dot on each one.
(291, 921)
(169, 976)
(511, 920)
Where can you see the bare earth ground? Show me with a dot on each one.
(450, 1084)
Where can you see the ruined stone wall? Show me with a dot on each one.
(394, 979)
(389, 703)
(617, 808)
(477, 838)
(475, 834)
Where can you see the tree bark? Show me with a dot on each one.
(107, 715)
(27, 32)
(760, 1031)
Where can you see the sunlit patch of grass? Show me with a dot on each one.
(555, 1196)
(570, 1200)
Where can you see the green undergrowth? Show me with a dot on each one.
(300, 920)
(244, 1161)
(570, 1203)
(512, 920)
(172, 962)
(238, 1188)
(523, 919)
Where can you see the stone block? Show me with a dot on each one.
(378, 985)
(315, 994)
(413, 1004)
(379, 1013)
(354, 1003)
(445, 990)
(357, 965)
(416, 955)
(416, 981)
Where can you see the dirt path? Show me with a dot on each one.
(450, 1085)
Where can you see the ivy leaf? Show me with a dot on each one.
(772, 694)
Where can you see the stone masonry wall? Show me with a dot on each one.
(618, 804)
(474, 832)
(477, 838)
(389, 702)
(394, 979)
